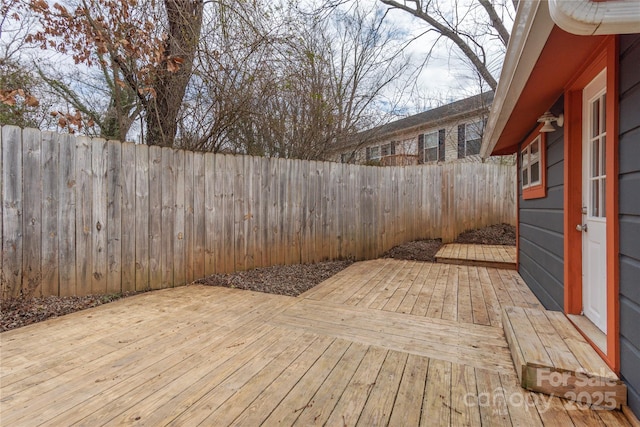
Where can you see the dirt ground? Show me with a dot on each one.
(500, 234)
(289, 280)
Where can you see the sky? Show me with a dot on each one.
(445, 77)
(442, 78)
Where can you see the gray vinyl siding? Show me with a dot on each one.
(629, 215)
(541, 229)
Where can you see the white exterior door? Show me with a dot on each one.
(594, 215)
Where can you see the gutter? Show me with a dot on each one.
(531, 29)
(589, 17)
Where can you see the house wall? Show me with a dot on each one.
(407, 142)
(541, 228)
(629, 215)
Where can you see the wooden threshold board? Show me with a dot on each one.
(590, 330)
(494, 256)
(551, 357)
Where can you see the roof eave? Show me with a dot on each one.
(588, 18)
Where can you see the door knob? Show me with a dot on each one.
(582, 227)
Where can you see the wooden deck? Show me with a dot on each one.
(496, 256)
(552, 357)
(384, 342)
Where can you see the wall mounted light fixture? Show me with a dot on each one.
(547, 118)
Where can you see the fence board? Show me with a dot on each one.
(179, 246)
(179, 256)
(142, 216)
(50, 197)
(168, 216)
(229, 206)
(275, 231)
(12, 199)
(293, 211)
(155, 217)
(112, 216)
(67, 183)
(265, 198)
(84, 209)
(236, 163)
(189, 230)
(220, 252)
(248, 220)
(325, 206)
(128, 217)
(199, 230)
(210, 213)
(99, 216)
(32, 213)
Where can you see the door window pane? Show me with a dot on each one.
(595, 159)
(535, 172)
(603, 200)
(604, 113)
(595, 198)
(595, 118)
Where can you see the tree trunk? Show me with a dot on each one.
(184, 19)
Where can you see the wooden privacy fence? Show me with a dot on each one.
(82, 215)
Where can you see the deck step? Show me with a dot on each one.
(552, 357)
(496, 256)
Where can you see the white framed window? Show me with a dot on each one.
(473, 137)
(431, 146)
(430, 151)
(470, 138)
(373, 153)
(346, 157)
(388, 149)
(531, 164)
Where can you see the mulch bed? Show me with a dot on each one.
(17, 312)
(418, 250)
(289, 280)
(500, 234)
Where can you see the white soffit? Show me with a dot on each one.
(587, 17)
(531, 30)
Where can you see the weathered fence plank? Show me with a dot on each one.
(142, 216)
(179, 270)
(210, 213)
(98, 216)
(236, 163)
(50, 199)
(199, 231)
(275, 231)
(168, 216)
(155, 217)
(67, 183)
(220, 252)
(229, 219)
(128, 218)
(84, 203)
(189, 230)
(32, 213)
(99, 193)
(114, 216)
(12, 199)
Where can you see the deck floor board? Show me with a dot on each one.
(383, 342)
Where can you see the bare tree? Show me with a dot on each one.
(460, 23)
(283, 82)
(145, 50)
